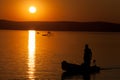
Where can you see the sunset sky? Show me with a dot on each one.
(61, 10)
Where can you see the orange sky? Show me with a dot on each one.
(61, 10)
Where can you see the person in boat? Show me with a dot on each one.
(94, 62)
(87, 56)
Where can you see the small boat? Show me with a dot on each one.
(38, 32)
(79, 69)
(44, 34)
(47, 34)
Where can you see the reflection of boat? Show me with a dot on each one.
(47, 34)
(71, 76)
(79, 69)
(73, 71)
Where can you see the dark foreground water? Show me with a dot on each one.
(30, 55)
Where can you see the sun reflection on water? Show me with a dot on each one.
(31, 55)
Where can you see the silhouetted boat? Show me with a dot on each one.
(38, 32)
(79, 69)
(44, 35)
(47, 34)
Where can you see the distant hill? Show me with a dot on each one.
(60, 26)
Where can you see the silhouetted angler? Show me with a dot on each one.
(94, 62)
(87, 56)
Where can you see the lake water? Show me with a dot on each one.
(28, 55)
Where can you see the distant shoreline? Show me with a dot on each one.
(60, 26)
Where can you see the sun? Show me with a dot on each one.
(32, 9)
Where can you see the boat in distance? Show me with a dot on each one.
(47, 34)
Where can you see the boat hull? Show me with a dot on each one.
(80, 69)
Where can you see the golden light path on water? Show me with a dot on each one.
(31, 55)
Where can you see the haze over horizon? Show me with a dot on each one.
(61, 10)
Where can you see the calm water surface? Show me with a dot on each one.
(27, 55)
